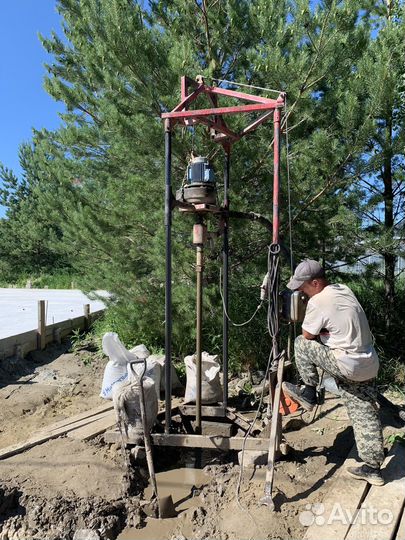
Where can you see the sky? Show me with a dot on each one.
(24, 104)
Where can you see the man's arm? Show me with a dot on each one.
(307, 335)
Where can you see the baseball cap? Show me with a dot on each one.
(306, 270)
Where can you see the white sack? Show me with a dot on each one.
(160, 359)
(140, 351)
(116, 369)
(126, 399)
(153, 372)
(211, 389)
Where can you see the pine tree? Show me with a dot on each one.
(380, 168)
(100, 176)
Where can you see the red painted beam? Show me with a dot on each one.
(276, 177)
(189, 99)
(221, 128)
(238, 95)
(185, 83)
(256, 123)
(225, 110)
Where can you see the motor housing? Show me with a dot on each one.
(200, 187)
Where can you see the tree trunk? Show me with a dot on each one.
(389, 256)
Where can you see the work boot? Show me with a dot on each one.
(306, 397)
(369, 474)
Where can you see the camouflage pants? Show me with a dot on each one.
(360, 398)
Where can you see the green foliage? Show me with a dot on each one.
(390, 341)
(90, 203)
(86, 346)
(396, 438)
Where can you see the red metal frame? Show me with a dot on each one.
(213, 118)
(220, 131)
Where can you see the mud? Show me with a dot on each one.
(74, 490)
(62, 517)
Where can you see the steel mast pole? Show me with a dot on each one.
(225, 277)
(168, 284)
(199, 272)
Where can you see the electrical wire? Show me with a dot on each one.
(225, 310)
(273, 265)
(290, 234)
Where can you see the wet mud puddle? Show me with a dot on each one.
(183, 485)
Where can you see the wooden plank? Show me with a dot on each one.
(79, 423)
(382, 508)
(238, 419)
(94, 428)
(105, 407)
(346, 492)
(206, 410)
(215, 442)
(51, 432)
(41, 325)
(275, 436)
(401, 529)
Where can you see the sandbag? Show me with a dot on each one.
(160, 359)
(211, 389)
(153, 372)
(126, 398)
(141, 351)
(115, 372)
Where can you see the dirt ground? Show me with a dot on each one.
(69, 489)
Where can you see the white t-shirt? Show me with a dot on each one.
(337, 310)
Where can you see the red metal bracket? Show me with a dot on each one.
(213, 117)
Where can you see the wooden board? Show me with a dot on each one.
(78, 424)
(401, 529)
(206, 410)
(382, 508)
(275, 436)
(105, 407)
(214, 442)
(197, 441)
(238, 419)
(56, 430)
(94, 428)
(346, 492)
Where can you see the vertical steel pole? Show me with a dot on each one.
(276, 176)
(199, 272)
(225, 282)
(168, 289)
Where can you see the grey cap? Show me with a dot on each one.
(305, 271)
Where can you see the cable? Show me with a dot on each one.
(273, 264)
(246, 85)
(224, 307)
(289, 200)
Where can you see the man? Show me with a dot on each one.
(336, 338)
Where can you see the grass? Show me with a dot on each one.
(56, 280)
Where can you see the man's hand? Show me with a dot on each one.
(307, 335)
